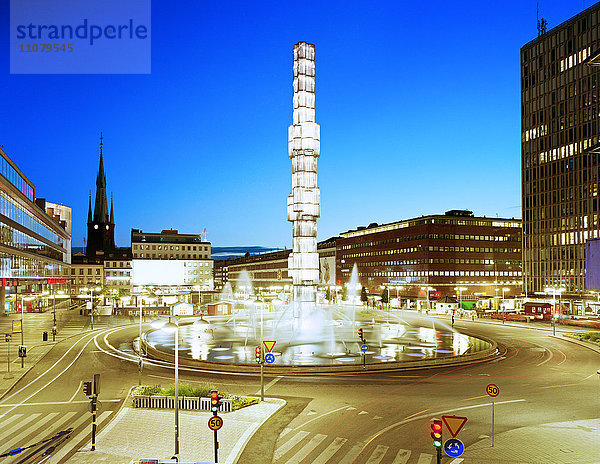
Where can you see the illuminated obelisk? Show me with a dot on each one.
(303, 204)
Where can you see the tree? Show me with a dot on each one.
(363, 295)
(385, 296)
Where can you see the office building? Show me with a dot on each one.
(34, 247)
(560, 79)
(437, 255)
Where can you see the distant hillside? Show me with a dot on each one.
(218, 253)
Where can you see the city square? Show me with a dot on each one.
(176, 289)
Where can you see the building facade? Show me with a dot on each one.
(34, 248)
(438, 255)
(269, 273)
(560, 159)
(176, 266)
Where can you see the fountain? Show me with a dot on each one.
(307, 333)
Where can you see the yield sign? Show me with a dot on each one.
(454, 423)
(269, 344)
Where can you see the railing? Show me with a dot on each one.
(185, 402)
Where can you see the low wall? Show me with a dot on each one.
(185, 402)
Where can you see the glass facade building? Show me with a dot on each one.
(33, 247)
(560, 158)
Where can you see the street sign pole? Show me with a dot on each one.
(492, 421)
(439, 455)
(22, 342)
(262, 379)
(216, 448)
(8, 376)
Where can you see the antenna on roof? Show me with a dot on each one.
(541, 22)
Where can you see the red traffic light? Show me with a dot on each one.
(214, 398)
(436, 432)
(360, 333)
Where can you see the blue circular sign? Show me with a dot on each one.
(269, 358)
(364, 348)
(454, 447)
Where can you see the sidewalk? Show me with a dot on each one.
(558, 443)
(150, 434)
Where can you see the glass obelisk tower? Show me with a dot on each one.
(303, 204)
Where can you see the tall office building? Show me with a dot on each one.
(560, 80)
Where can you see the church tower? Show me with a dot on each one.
(101, 227)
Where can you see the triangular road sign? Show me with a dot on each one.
(269, 345)
(454, 424)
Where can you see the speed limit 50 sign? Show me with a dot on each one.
(215, 423)
(492, 390)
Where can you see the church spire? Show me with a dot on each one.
(90, 209)
(101, 207)
(112, 212)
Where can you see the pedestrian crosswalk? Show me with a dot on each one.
(22, 430)
(296, 447)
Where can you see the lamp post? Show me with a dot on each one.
(460, 290)
(554, 291)
(504, 289)
(258, 303)
(173, 327)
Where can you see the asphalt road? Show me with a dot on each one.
(367, 418)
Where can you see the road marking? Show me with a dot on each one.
(77, 390)
(55, 402)
(306, 449)
(328, 453)
(273, 382)
(362, 413)
(456, 461)
(546, 360)
(9, 420)
(279, 452)
(47, 370)
(402, 457)
(284, 433)
(80, 436)
(377, 455)
(352, 454)
(18, 426)
(558, 386)
(14, 440)
(425, 458)
(319, 417)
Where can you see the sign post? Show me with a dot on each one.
(493, 391)
(215, 423)
(8, 338)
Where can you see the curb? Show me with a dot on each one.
(480, 356)
(239, 447)
(578, 342)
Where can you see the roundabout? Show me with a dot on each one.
(327, 341)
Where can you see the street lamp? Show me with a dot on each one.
(92, 303)
(258, 304)
(171, 327)
(554, 291)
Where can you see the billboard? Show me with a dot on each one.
(327, 270)
(592, 264)
(157, 272)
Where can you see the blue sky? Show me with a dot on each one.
(418, 104)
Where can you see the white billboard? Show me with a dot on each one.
(157, 272)
(327, 270)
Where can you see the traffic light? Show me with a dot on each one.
(215, 401)
(360, 334)
(257, 353)
(436, 433)
(87, 388)
(22, 351)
